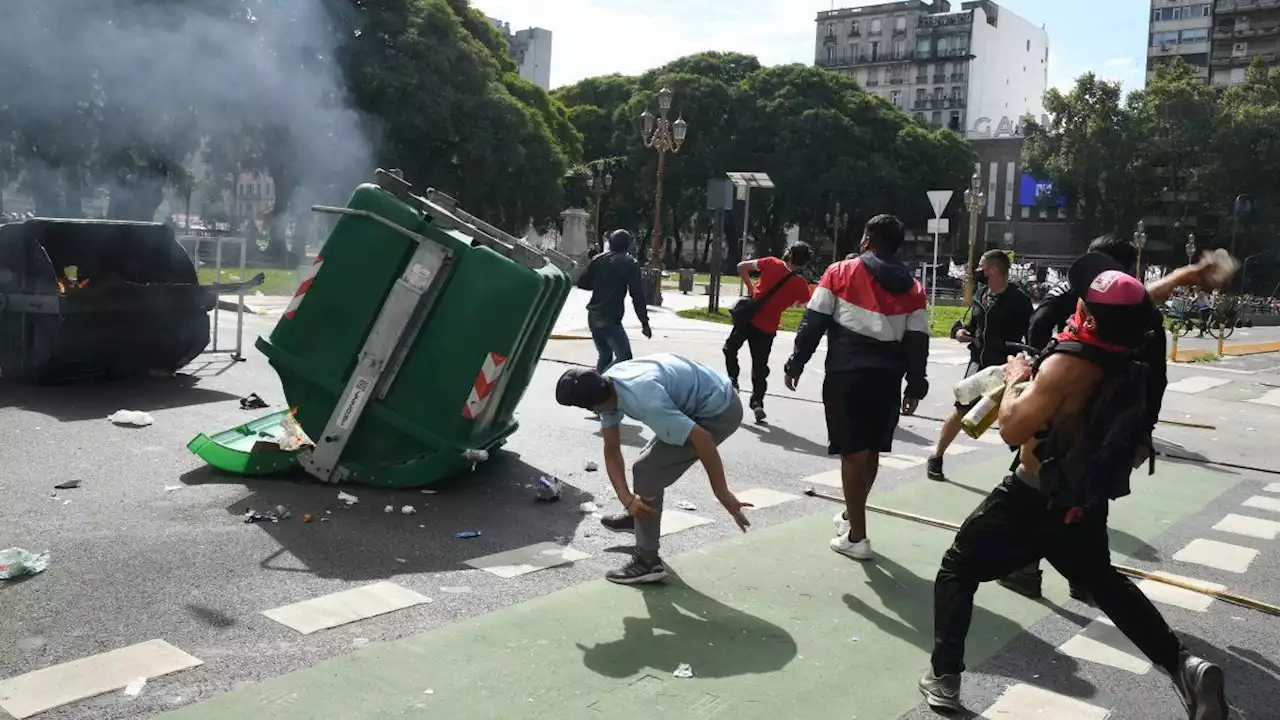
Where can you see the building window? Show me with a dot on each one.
(962, 44)
(920, 118)
(935, 119)
(853, 50)
(954, 123)
(899, 48)
(1195, 36)
(1164, 38)
(1237, 75)
(831, 54)
(877, 26)
(922, 47)
(1239, 49)
(875, 50)
(921, 94)
(944, 47)
(900, 24)
(895, 73)
(853, 28)
(1028, 45)
(895, 97)
(831, 28)
(957, 92)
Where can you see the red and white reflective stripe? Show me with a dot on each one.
(486, 381)
(306, 276)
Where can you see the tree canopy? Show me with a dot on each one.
(819, 136)
(1178, 150)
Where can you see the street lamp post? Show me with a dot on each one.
(1139, 242)
(837, 221)
(600, 186)
(664, 136)
(974, 200)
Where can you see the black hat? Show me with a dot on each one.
(582, 387)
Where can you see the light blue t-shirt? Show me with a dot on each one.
(668, 393)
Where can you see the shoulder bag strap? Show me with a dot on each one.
(776, 287)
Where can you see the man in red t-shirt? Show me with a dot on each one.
(758, 334)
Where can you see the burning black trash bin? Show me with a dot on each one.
(90, 299)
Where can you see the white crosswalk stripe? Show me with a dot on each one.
(1272, 398)
(1102, 642)
(1196, 384)
(1023, 702)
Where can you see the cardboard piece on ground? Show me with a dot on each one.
(27, 695)
(525, 560)
(348, 606)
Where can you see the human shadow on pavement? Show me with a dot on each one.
(785, 439)
(95, 401)
(911, 599)
(686, 626)
(366, 542)
(1175, 454)
(631, 435)
(1131, 546)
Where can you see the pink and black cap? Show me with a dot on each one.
(1117, 300)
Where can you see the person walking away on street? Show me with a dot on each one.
(874, 316)
(1051, 317)
(690, 408)
(998, 316)
(780, 287)
(610, 276)
(1077, 418)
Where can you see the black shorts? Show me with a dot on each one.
(969, 372)
(862, 410)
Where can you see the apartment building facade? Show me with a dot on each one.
(1180, 29)
(1243, 30)
(977, 71)
(530, 50)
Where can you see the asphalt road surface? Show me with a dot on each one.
(152, 546)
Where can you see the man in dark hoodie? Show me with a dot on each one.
(610, 276)
(874, 315)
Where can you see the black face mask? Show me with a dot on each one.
(980, 277)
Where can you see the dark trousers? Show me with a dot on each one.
(612, 345)
(1013, 528)
(760, 344)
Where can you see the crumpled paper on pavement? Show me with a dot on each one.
(16, 562)
(132, 418)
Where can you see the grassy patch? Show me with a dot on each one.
(279, 282)
(946, 317)
(1206, 357)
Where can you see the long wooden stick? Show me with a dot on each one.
(1223, 595)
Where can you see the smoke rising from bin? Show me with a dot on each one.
(147, 79)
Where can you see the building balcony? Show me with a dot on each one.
(899, 32)
(845, 59)
(872, 82)
(922, 105)
(940, 78)
(830, 39)
(957, 77)
(1233, 60)
(895, 81)
(1224, 7)
(922, 78)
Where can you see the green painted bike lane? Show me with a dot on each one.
(773, 624)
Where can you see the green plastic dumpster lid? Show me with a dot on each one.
(249, 449)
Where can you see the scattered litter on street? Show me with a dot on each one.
(348, 499)
(16, 562)
(133, 418)
(683, 671)
(253, 402)
(134, 688)
(66, 502)
(686, 505)
(548, 488)
(401, 560)
(276, 514)
(467, 534)
(388, 509)
(324, 519)
(172, 488)
(855, 638)
(428, 692)
(428, 492)
(588, 507)
(282, 512)
(408, 510)
(475, 457)
(68, 485)
(590, 466)
(292, 438)
(307, 518)
(328, 512)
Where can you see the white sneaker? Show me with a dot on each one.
(841, 523)
(860, 550)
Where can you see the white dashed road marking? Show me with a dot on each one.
(1263, 503)
(1272, 488)
(525, 560)
(1103, 643)
(1173, 595)
(1198, 383)
(348, 606)
(674, 521)
(27, 695)
(1024, 702)
(1272, 398)
(1214, 554)
(764, 497)
(901, 462)
(1249, 526)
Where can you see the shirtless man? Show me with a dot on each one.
(1054, 419)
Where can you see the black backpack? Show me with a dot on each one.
(1091, 466)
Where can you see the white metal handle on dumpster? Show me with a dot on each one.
(402, 316)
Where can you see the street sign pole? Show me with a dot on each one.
(938, 199)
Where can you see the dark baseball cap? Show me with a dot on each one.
(582, 387)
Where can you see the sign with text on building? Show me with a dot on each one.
(945, 19)
(939, 226)
(985, 127)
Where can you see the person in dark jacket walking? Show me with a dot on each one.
(999, 316)
(610, 276)
(874, 316)
(1057, 307)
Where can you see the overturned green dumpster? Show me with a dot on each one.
(406, 349)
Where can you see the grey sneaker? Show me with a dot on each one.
(1202, 687)
(760, 414)
(942, 693)
(934, 470)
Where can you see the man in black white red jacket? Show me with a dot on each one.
(874, 316)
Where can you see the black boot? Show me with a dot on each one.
(1202, 687)
(934, 469)
(1025, 583)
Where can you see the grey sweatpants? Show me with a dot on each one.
(661, 464)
